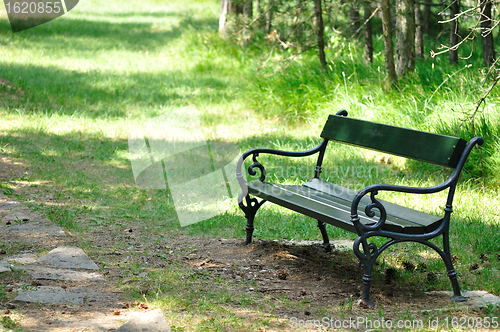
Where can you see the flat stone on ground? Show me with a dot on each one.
(17, 217)
(47, 294)
(39, 229)
(23, 258)
(46, 273)
(337, 244)
(8, 206)
(479, 299)
(66, 257)
(4, 267)
(475, 299)
(151, 321)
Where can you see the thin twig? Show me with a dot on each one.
(442, 83)
(364, 23)
(490, 70)
(457, 16)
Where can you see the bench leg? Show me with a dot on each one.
(367, 279)
(250, 209)
(367, 258)
(326, 241)
(452, 274)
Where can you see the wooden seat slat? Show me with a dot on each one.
(335, 209)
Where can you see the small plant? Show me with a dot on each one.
(9, 323)
(381, 311)
(6, 189)
(492, 310)
(29, 287)
(3, 293)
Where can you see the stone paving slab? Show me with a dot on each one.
(17, 217)
(45, 273)
(67, 257)
(475, 299)
(50, 295)
(22, 258)
(43, 228)
(337, 244)
(4, 267)
(151, 321)
(8, 206)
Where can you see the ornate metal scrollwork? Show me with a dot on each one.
(372, 247)
(252, 204)
(369, 211)
(250, 209)
(257, 164)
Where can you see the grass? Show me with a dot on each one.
(82, 83)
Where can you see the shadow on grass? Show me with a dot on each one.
(120, 89)
(85, 35)
(93, 172)
(106, 94)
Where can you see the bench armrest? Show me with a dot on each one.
(256, 164)
(374, 189)
(255, 153)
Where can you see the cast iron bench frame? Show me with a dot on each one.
(356, 212)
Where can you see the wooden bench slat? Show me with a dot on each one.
(434, 148)
(392, 223)
(412, 217)
(334, 215)
(335, 209)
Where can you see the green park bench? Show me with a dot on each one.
(361, 212)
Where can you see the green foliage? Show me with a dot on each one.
(438, 97)
(10, 324)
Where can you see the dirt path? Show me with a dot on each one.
(52, 283)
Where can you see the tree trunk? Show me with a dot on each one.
(486, 33)
(426, 19)
(388, 45)
(224, 8)
(320, 31)
(405, 37)
(260, 12)
(269, 17)
(454, 10)
(227, 7)
(354, 18)
(419, 33)
(368, 32)
(235, 7)
(299, 28)
(247, 9)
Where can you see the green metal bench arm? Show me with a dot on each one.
(255, 153)
(374, 189)
(256, 164)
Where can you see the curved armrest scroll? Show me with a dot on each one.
(256, 164)
(374, 189)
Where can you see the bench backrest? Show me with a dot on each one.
(433, 148)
